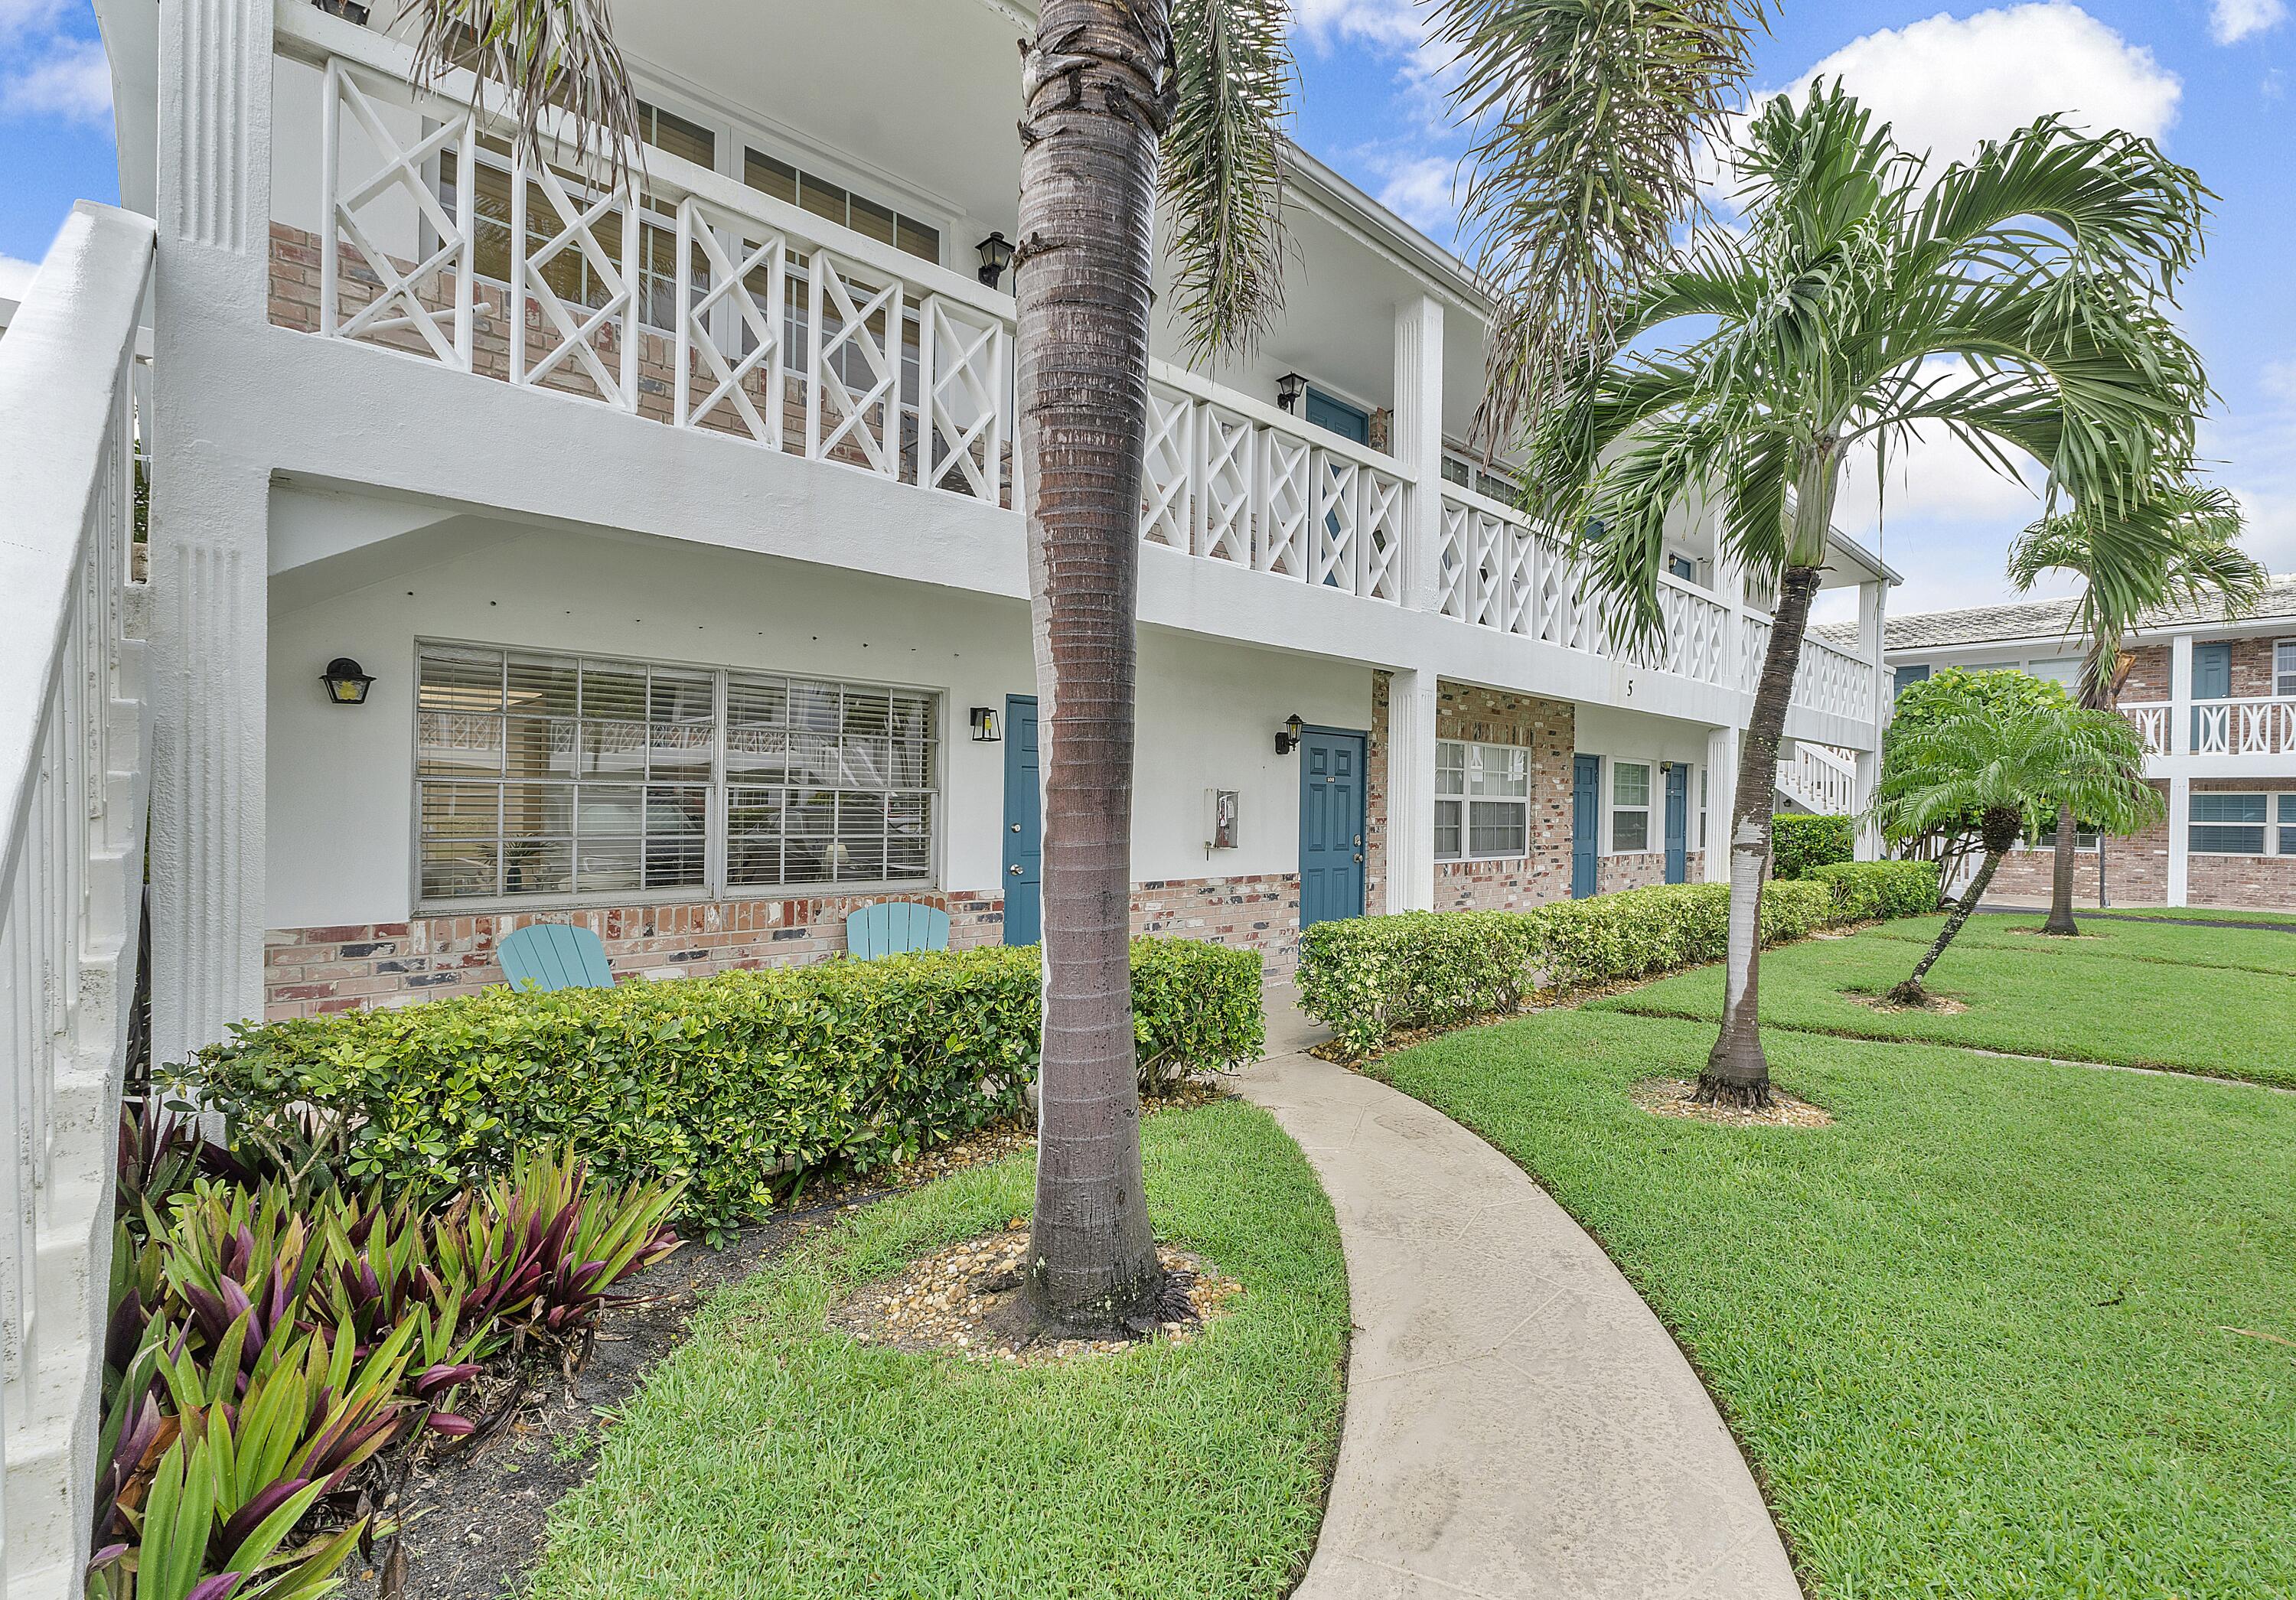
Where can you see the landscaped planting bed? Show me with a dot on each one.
(776, 1456)
(2005, 1328)
(2024, 1000)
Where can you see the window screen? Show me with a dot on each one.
(1630, 791)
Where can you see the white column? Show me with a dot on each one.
(1411, 792)
(1721, 787)
(1417, 441)
(1873, 598)
(2180, 829)
(210, 508)
(2180, 698)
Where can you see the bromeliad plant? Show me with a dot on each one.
(2009, 769)
(269, 1344)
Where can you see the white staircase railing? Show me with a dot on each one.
(73, 740)
(1821, 778)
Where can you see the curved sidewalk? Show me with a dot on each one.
(1519, 1425)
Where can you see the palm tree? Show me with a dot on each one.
(1587, 114)
(2044, 265)
(2007, 769)
(2195, 527)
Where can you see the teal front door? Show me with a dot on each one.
(1677, 823)
(1330, 826)
(1586, 824)
(2212, 680)
(1024, 825)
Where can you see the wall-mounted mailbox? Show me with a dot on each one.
(1221, 811)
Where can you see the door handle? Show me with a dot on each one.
(1016, 827)
(1359, 855)
(1014, 869)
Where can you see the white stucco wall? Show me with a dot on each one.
(340, 785)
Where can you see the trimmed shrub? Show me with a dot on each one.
(723, 1083)
(1800, 843)
(1866, 892)
(1370, 978)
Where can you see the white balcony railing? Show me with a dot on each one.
(760, 320)
(2250, 725)
(72, 786)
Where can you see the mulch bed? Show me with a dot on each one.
(1935, 1004)
(965, 1301)
(1675, 1098)
(470, 1520)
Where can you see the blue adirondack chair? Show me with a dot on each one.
(895, 928)
(545, 955)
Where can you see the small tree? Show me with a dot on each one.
(2193, 530)
(1953, 692)
(2007, 767)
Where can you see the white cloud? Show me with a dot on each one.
(1945, 82)
(1420, 189)
(69, 78)
(29, 16)
(1392, 22)
(2233, 21)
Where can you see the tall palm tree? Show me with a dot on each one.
(2009, 767)
(1587, 115)
(2044, 265)
(2195, 527)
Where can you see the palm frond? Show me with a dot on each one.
(1587, 116)
(2030, 758)
(542, 54)
(1223, 167)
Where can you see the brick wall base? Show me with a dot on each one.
(2136, 869)
(311, 972)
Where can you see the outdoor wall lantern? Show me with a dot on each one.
(995, 256)
(1289, 388)
(346, 685)
(1287, 737)
(985, 730)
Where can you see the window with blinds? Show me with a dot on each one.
(1482, 800)
(542, 775)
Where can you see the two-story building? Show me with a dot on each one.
(2215, 700)
(518, 553)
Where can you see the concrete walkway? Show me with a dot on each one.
(1519, 1425)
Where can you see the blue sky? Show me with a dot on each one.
(2211, 78)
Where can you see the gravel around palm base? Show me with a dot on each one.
(777, 1456)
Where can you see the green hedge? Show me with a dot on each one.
(722, 1082)
(1802, 843)
(1369, 979)
(1868, 892)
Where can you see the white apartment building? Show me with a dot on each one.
(518, 553)
(2215, 700)
(679, 540)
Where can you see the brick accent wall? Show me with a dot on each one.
(2137, 866)
(1641, 869)
(2149, 671)
(294, 304)
(311, 972)
(1547, 729)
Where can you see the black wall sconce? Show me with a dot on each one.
(1288, 388)
(1287, 737)
(346, 685)
(995, 256)
(985, 727)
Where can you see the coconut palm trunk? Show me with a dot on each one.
(1092, 88)
(1737, 1072)
(1998, 830)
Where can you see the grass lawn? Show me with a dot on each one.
(1972, 1335)
(2246, 949)
(772, 1458)
(2063, 1002)
(2187, 913)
